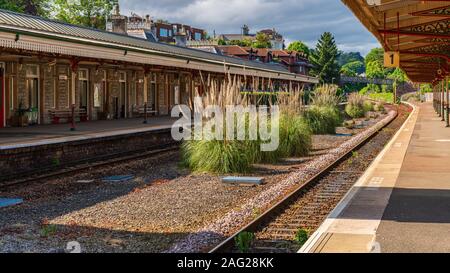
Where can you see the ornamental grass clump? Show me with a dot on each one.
(355, 107)
(379, 107)
(217, 156)
(324, 116)
(238, 156)
(323, 120)
(295, 136)
(368, 106)
(295, 133)
(207, 154)
(326, 96)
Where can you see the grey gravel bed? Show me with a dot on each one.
(164, 209)
(232, 221)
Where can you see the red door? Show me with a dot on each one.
(2, 100)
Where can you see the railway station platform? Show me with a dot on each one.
(15, 137)
(28, 150)
(402, 203)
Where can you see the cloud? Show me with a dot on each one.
(302, 20)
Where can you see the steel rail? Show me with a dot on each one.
(267, 217)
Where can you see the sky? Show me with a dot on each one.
(303, 20)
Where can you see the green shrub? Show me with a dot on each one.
(355, 111)
(244, 241)
(368, 106)
(301, 236)
(48, 230)
(323, 120)
(383, 97)
(355, 107)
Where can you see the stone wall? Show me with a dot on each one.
(54, 156)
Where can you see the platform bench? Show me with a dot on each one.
(57, 115)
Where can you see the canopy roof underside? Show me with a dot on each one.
(419, 29)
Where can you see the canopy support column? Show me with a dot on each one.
(447, 114)
(442, 102)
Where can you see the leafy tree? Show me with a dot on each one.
(398, 75)
(244, 42)
(353, 69)
(349, 57)
(324, 59)
(32, 7)
(10, 5)
(426, 88)
(375, 55)
(299, 46)
(374, 70)
(370, 89)
(262, 41)
(221, 42)
(89, 13)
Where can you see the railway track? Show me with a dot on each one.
(307, 207)
(86, 164)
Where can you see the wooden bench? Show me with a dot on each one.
(57, 115)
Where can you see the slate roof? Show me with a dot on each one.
(49, 28)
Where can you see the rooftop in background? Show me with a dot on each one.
(147, 28)
(275, 38)
(13, 22)
(295, 62)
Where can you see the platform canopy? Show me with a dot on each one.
(418, 29)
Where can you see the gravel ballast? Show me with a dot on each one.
(164, 209)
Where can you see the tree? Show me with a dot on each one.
(221, 42)
(376, 54)
(426, 88)
(10, 5)
(299, 46)
(374, 70)
(32, 7)
(349, 57)
(353, 69)
(398, 75)
(262, 41)
(89, 13)
(324, 59)
(245, 42)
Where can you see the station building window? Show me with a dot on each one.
(152, 92)
(83, 78)
(32, 85)
(123, 94)
(163, 32)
